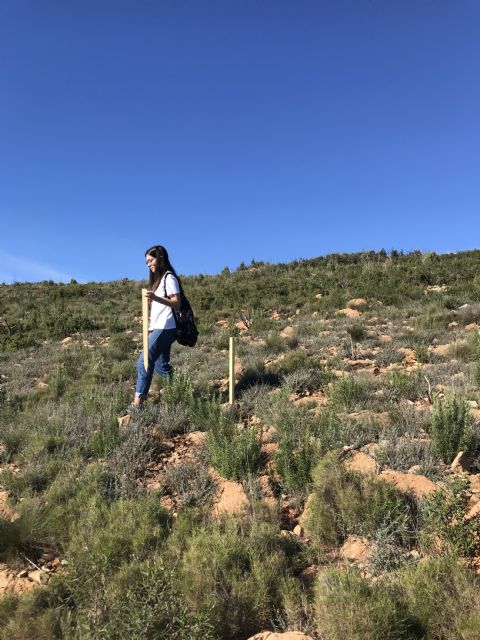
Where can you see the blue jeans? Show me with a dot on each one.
(159, 344)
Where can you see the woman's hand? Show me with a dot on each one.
(173, 301)
(150, 295)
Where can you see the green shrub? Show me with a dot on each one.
(46, 606)
(295, 460)
(343, 502)
(475, 374)
(450, 427)
(404, 453)
(349, 393)
(231, 571)
(402, 385)
(444, 596)
(293, 361)
(302, 440)
(306, 380)
(178, 391)
(233, 452)
(422, 353)
(190, 482)
(434, 317)
(466, 350)
(346, 605)
(140, 602)
(443, 524)
(221, 340)
(274, 343)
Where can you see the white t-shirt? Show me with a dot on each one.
(161, 316)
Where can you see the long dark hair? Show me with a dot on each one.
(162, 266)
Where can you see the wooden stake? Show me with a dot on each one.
(231, 387)
(145, 327)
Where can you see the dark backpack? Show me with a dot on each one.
(187, 332)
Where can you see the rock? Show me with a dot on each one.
(269, 435)
(269, 449)
(308, 576)
(287, 332)
(355, 364)
(239, 368)
(124, 421)
(437, 288)
(6, 512)
(452, 325)
(66, 340)
(356, 549)
(461, 462)
(473, 404)
(318, 296)
(440, 349)
(474, 512)
(196, 438)
(409, 355)
(474, 483)
(349, 313)
(471, 327)
(385, 338)
(231, 499)
(415, 469)
(307, 509)
(359, 461)
(356, 302)
(288, 635)
(417, 485)
(11, 584)
(38, 576)
(241, 325)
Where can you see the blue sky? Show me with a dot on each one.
(233, 130)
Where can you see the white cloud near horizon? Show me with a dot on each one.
(19, 269)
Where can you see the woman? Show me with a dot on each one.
(164, 296)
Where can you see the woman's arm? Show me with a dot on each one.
(173, 301)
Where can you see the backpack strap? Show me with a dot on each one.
(165, 283)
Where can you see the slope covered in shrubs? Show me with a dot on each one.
(357, 386)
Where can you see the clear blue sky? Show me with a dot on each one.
(234, 129)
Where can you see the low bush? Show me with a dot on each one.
(404, 453)
(293, 361)
(190, 482)
(232, 571)
(343, 502)
(140, 602)
(466, 350)
(302, 440)
(444, 528)
(403, 385)
(450, 428)
(347, 605)
(232, 452)
(349, 393)
(306, 380)
(444, 596)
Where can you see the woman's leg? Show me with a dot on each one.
(159, 344)
(162, 364)
(144, 377)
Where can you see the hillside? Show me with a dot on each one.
(329, 500)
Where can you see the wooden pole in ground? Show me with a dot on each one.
(145, 327)
(231, 386)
